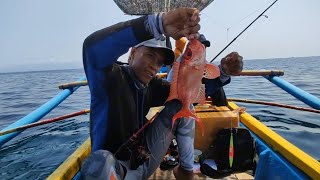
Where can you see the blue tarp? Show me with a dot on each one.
(163, 69)
(272, 165)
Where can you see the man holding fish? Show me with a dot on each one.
(121, 96)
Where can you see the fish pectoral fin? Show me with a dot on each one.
(174, 82)
(211, 71)
(201, 97)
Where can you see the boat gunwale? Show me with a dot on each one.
(293, 154)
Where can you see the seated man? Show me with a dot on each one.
(230, 65)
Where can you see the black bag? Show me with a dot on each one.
(244, 151)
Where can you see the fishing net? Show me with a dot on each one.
(144, 7)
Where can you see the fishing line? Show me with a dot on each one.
(215, 22)
(243, 30)
(229, 27)
(258, 9)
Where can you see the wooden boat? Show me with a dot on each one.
(277, 157)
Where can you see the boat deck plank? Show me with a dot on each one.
(168, 175)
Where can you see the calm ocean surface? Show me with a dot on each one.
(38, 151)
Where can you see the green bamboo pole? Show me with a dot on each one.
(261, 73)
(163, 75)
(73, 84)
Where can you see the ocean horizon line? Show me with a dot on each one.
(43, 70)
(81, 68)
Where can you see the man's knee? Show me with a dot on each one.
(102, 165)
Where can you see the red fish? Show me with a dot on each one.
(186, 84)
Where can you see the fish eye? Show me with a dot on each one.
(188, 53)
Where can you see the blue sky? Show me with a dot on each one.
(39, 34)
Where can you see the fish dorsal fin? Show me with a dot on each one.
(211, 71)
(174, 82)
(201, 97)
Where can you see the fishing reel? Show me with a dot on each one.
(134, 151)
(138, 156)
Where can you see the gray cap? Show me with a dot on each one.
(159, 44)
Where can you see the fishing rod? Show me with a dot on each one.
(47, 121)
(243, 31)
(135, 135)
(274, 104)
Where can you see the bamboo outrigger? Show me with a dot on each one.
(295, 162)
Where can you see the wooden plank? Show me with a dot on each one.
(168, 175)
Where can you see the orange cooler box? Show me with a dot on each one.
(213, 119)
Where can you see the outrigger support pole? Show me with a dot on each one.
(298, 93)
(37, 114)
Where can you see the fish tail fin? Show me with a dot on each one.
(211, 71)
(185, 112)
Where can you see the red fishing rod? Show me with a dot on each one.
(138, 154)
(274, 104)
(243, 31)
(135, 135)
(21, 128)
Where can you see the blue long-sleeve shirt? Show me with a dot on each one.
(100, 51)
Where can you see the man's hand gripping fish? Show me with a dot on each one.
(186, 84)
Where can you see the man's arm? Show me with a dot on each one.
(213, 85)
(230, 65)
(100, 50)
(104, 47)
